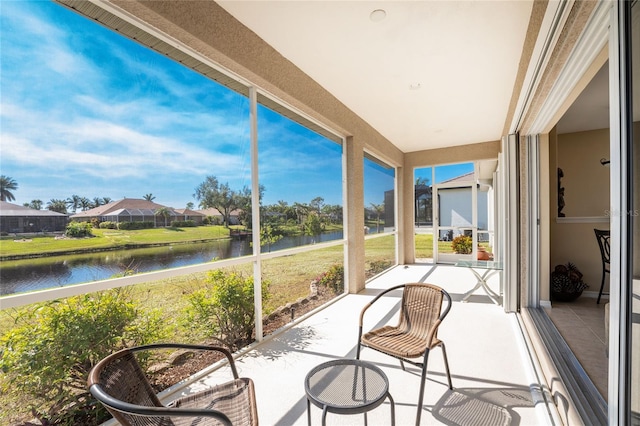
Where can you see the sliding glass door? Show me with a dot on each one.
(633, 296)
(624, 344)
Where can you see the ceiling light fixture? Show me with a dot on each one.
(378, 15)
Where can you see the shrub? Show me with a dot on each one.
(128, 226)
(211, 220)
(462, 244)
(183, 224)
(108, 225)
(79, 230)
(224, 308)
(377, 266)
(48, 355)
(333, 278)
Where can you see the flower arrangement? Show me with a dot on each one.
(566, 283)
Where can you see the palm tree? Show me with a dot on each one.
(149, 197)
(422, 181)
(85, 204)
(282, 206)
(7, 185)
(73, 202)
(97, 202)
(59, 206)
(379, 210)
(164, 212)
(106, 200)
(34, 204)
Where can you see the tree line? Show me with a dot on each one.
(211, 193)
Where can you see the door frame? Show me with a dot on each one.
(448, 257)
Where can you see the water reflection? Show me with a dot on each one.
(39, 274)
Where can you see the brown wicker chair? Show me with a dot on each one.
(120, 384)
(416, 333)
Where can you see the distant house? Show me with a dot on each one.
(186, 214)
(214, 213)
(17, 219)
(128, 210)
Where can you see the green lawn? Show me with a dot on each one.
(424, 246)
(108, 238)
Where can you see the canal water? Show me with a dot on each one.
(38, 274)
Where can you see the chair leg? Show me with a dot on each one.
(446, 365)
(422, 380)
(601, 286)
(402, 365)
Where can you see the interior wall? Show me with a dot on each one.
(587, 200)
(585, 180)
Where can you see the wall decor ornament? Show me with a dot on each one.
(560, 193)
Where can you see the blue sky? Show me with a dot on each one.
(443, 173)
(87, 112)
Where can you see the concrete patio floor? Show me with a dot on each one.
(494, 379)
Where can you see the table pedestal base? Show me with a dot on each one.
(482, 282)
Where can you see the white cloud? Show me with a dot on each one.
(100, 148)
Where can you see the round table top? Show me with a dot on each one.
(347, 386)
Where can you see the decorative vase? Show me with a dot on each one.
(483, 254)
(566, 283)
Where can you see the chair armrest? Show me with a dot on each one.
(220, 349)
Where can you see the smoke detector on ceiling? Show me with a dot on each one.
(378, 15)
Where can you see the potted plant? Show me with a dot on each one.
(566, 283)
(462, 244)
(483, 254)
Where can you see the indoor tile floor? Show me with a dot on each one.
(582, 324)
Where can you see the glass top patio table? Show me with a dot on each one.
(490, 267)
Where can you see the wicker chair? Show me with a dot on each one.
(416, 333)
(605, 253)
(120, 384)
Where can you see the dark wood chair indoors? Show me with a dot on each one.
(605, 253)
(121, 385)
(421, 313)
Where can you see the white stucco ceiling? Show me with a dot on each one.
(430, 74)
